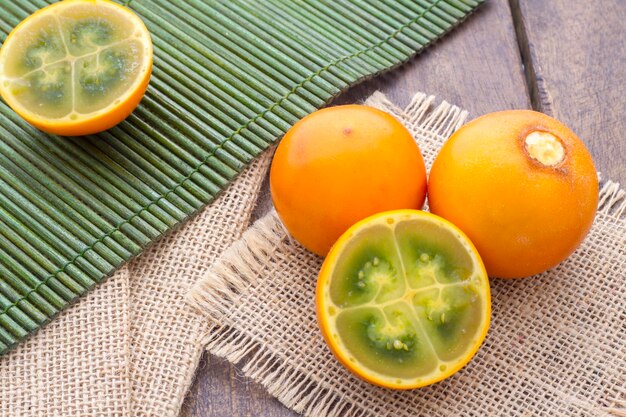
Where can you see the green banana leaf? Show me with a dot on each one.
(229, 78)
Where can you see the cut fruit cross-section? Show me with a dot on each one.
(76, 67)
(403, 299)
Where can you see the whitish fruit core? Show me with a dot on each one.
(74, 59)
(545, 148)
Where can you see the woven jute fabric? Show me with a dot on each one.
(165, 332)
(556, 346)
(130, 347)
(78, 364)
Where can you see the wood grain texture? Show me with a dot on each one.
(576, 53)
(221, 390)
(477, 67)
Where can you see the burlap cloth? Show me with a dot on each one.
(556, 347)
(78, 364)
(131, 346)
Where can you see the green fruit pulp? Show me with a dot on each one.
(75, 62)
(405, 299)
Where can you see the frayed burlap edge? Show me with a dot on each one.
(239, 266)
(220, 292)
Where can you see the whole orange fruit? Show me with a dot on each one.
(340, 165)
(521, 185)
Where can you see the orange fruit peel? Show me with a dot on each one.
(403, 299)
(521, 185)
(76, 67)
(342, 164)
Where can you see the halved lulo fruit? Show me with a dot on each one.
(76, 67)
(403, 299)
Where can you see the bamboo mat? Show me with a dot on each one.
(228, 79)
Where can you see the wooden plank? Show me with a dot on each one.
(477, 67)
(221, 390)
(577, 56)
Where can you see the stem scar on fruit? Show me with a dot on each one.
(544, 147)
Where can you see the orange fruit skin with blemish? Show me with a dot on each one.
(342, 164)
(523, 216)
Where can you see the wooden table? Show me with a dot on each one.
(566, 58)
